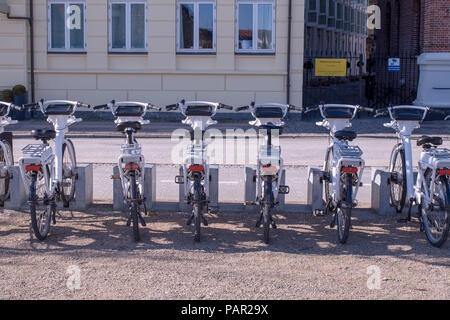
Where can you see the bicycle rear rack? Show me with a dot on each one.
(34, 150)
(350, 151)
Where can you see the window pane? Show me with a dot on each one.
(138, 26)
(76, 25)
(58, 36)
(187, 26)
(245, 26)
(206, 30)
(264, 26)
(118, 28)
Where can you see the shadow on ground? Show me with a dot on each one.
(102, 232)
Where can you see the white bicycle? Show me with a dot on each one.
(431, 191)
(129, 119)
(6, 157)
(343, 167)
(49, 175)
(269, 118)
(196, 163)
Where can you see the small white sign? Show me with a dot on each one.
(394, 64)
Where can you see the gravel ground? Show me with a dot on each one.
(302, 262)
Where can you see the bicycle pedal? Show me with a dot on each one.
(179, 179)
(151, 213)
(115, 176)
(273, 224)
(283, 190)
(189, 221)
(319, 213)
(402, 220)
(65, 184)
(204, 221)
(248, 203)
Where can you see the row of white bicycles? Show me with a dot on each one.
(49, 174)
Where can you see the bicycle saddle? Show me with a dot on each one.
(338, 113)
(407, 114)
(345, 135)
(129, 125)
(43, 134)
(58, 109)
(129, 111)
(198, 110)
(269, 112)
(436, 141)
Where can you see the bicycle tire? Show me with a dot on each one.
(327, 168)
(343, 225)
(68, 193)
(443, 203)
(196, 210)
(398, 197)
(266, 204)
(5, 182)
(40, 231)
(134, 208)
(266, 223)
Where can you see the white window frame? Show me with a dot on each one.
(127, 48)
(196, 48)
(255, 49)
(67, 47)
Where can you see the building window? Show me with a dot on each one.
(312, 12)
(255, 27)
(66, 26)
(127, 26)
(196, 26)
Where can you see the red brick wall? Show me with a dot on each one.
(436, 26)
(414, 26)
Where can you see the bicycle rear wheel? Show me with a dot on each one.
(134, 208)
(5, 178)
(436, 216)
(265, 207)
(69, 176)
(344, 211)
(397, 168)
(40, 208)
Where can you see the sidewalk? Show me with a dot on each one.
(106, 128)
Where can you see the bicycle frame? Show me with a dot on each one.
(404, 129)
(196, 151)
(5, 121)
(130, 152)
(267, 152)
(343, 153)
(46, 156)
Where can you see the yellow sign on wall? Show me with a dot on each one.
(331, 68)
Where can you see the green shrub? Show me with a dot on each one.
(6, 95)
(19, 90)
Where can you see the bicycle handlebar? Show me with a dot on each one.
(241, 108)
(102, 106)
(171, 107)
(225, 106)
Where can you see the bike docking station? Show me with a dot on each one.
(120, 204)
(314, 195)
(381, 192)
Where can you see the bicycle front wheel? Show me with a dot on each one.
(397, 169)
(40, 209)
(436, 216)
(69, 176)
(5, 178)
